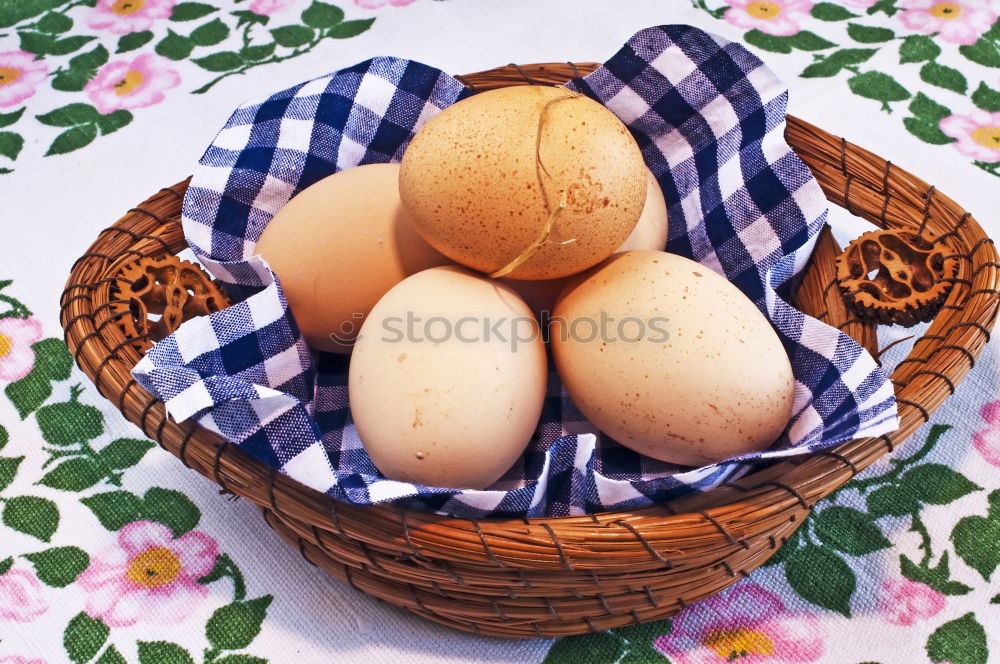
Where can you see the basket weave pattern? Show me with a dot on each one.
(568, 575)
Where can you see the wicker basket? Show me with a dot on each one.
(563, 576)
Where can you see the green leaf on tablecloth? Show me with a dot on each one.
(4, 437)
(219, 62)
(241, 659)
(73, 138)
(84, 637)
(54, 23)
(349, 29)
(69, 115)
(28, 393)
(944, 77)
(960, 641)
(984, 52)
(171, 508)
(71, 80)
(937, 577)
(112, 656)
(7, 119)
(249, 18)
(256, 53)
(292, 35)
(189, 11)
(809, 41)
(124, 452)
(848, 530)
(926, 108)
(929, 132)
(878, 86)
(52, 362)
(596, 648)
(15, 12)
(6, 564)
(986, 98)
(8, 470)
(869, 35)
(890, 501)
(68, 45)
(114, 121)
(35, 42)
(976, 541)
(74, 474)
(69, 422)
(836, 61)
(59, 566)
(767, 42)
(162, 652)
(918, 48)
(322, 15)
(11, 144)
(937, 484)
(114, 509)
(236, 625)
(210, 33)
(887, 7)
(133, 40)
(31, 515)
(827, 11)
(821, 577)
(90, 60)
(639, 641)
(995, 600)
(174, 46)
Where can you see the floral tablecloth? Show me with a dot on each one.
(110, 551)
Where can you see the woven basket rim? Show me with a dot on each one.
(741, 523)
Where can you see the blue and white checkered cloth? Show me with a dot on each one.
(708, 116)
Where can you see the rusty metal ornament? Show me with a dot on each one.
(156, 294)
(896, 276)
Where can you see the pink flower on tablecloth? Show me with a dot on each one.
(977, 134)
(268, 7)
(148, 575)
(904, 602)
(124, 16)
(375, 4)
(17, 659)
(987, 441)
(19, 74)
(16, 356)
(961, 22)
(747, 624)
(775, 17)
(21, 597)
(858, 4)
(136, 84)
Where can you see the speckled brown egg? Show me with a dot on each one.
(482, 178)
(649, 233)
(671, 360)
(338, 246)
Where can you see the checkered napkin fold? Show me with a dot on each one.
(708, 116)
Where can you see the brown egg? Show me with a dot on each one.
(649, 233)
(483, 178)
(671, 360)
(340, 245)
